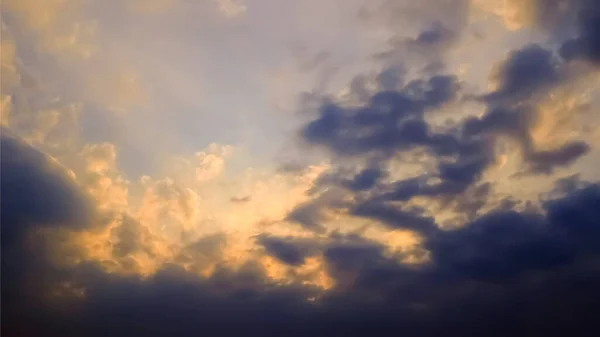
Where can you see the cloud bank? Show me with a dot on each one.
(413, 200)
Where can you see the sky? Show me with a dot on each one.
(300, 168)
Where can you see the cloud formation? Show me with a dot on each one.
(550, 256)
(418, 201)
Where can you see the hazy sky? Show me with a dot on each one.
(310, 168)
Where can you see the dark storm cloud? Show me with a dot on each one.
(432, 36)
(500, 272)
(573, 23)
(288, 250)
(36, 191)
(526, 241)
(35, 194)
(362, 180)
(504, 121)
(525, 72)
(495, 271)
(506, 244)
(366, 179)
(308, 215)
(391, 121)
(312, 214)
(394, 217)
(586, 46)
(547, 161)
(391, 77)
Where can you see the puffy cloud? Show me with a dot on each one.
(172, 207)
(102, 179)
(138, 227)
(211, 162)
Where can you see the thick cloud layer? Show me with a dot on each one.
(507, 272)
(406, 230)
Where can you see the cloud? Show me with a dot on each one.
(211, 162)
(37, 194)
(139, 226)
(366, 179)
(315, 212)
(479, 269)
(514, 13)
(37, 191)
(288, 250)
(541, 14)
(587, 45)
(240, 200)
(386, 124)
(101, 178)
(555, 16)
(525, 80)
(425, 205)
(389, 122)
(172, 207)
(60, 27)
(524, 72)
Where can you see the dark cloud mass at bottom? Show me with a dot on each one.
(506, 273)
